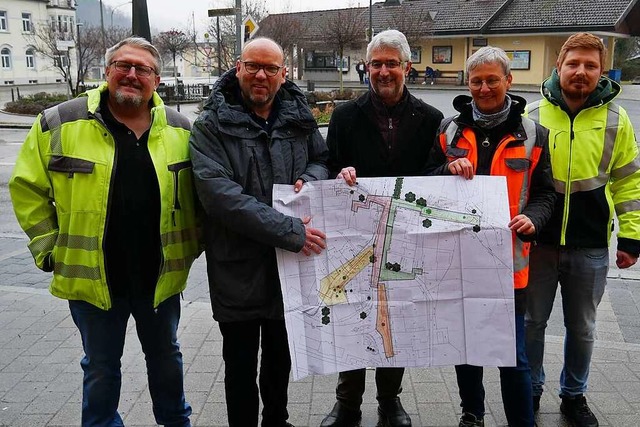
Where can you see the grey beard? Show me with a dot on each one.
(132, 100)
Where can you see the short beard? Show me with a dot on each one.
(128, 100)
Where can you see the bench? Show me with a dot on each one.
(453, 77)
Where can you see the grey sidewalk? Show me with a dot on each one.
(40, 351)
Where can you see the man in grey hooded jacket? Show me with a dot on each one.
(256, 130)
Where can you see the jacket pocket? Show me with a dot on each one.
(518, 165)
(70, 165)
(175, 169)
(78, 184)
(456, 152)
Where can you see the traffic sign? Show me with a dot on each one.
(222, 12)
(250, 25)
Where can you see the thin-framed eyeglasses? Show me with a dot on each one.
(491, 83)
(254, 67)
(376, 65)
(140, 70)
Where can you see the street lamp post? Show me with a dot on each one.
(79, 52)
(370, 19)
(114, 9)
(104, 36)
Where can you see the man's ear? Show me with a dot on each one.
(283, 74)
(407, 68)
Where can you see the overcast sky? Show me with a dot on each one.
(167, 14)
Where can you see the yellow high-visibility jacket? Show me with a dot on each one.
(60, 189)
(596, 169)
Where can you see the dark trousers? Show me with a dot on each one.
(515, 385)
(240, 342)
(350, 386)
(103, 335)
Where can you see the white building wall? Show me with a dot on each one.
(14, 39)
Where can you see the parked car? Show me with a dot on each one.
(636, 80)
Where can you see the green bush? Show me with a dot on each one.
(35, 104)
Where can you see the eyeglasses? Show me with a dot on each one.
(376, 65)
(140, 70)
(491, 83)
(254, 67)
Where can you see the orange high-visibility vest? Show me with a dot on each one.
(516, 158)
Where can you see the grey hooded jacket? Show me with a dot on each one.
(235, 164)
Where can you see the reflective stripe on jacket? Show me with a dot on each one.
(61, 189)
(516, 158)
(596, 171)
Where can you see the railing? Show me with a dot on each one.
(194, 92)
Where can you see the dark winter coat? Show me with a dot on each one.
(354, 137)
(236, 163)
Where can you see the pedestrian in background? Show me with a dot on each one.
(361, 68)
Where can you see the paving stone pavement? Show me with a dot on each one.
(40, 351)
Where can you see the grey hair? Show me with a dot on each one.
(251, 41)
(489, 55)
(392, 39)
(138, 42)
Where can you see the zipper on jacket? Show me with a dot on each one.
(176, 201)
(567, 187)
(109, 198)
(293, 164)
(255, 157)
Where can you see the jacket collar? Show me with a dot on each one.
(226, 102)
(605, 92)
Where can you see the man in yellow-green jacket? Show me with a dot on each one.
(103, 189)
(596, 170)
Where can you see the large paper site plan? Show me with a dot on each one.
(418, 271)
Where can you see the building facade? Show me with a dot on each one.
(444, 33)
(20, 21)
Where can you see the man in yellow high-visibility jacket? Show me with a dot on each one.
(596, 170)
(103, 188)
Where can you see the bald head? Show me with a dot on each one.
(262, 43)
(260, 72)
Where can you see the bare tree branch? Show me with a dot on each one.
(343, 28)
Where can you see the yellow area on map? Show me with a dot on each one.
(332, 286)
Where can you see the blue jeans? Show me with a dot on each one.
(582, 273)
(515, 385)
(103, 333)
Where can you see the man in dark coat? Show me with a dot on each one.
(386, 132)
(256, 130)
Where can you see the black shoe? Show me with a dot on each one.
(469, 420)
(576, 410)
(392, 414)
(536, 403)
(341, 416)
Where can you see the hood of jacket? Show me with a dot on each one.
(230, 110)
(462, 104)
(605, 91)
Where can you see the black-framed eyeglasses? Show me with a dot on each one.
(254, 67)
(140, 70)
(492, 83)
(376, 65)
